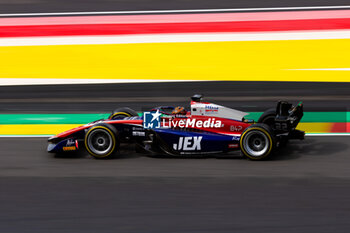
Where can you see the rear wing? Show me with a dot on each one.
(288, 118)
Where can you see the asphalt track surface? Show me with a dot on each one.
(246, 96)
(305, 188)
(31, 6)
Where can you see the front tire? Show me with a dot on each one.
(121, 113)
(257, 142)
(101, 141)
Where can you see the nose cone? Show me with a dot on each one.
(51, 148)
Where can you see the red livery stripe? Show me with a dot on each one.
(176, 18)
(157, 28)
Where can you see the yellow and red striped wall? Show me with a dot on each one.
(263, 46)
(268, 46)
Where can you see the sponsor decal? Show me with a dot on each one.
(71, 145)
(70, 142)
(187, 123)
(232, 145)
(69, 148)
(236, 128)
(138, 133)
(188, 143)
(180, 116)
(210, 108)
(151, 120)
(236, 138)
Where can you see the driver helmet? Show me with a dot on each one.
(179, 110)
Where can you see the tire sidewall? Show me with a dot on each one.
(266, 130)
(269, 114)
(114, 136)
(118, 113)
(128, 112)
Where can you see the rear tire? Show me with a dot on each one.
(268, 117)
(121, 113)
(101, 141)
(257, 142)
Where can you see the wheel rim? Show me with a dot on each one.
(100, 142)
(256, 143)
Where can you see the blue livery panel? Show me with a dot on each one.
(186, 142)
(67, 145)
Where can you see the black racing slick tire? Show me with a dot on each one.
(257, 142)
(268, 117)
(121, 113)
(101, 141)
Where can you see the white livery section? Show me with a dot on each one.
(209, 109)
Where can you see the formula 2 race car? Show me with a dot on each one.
(206, 129)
